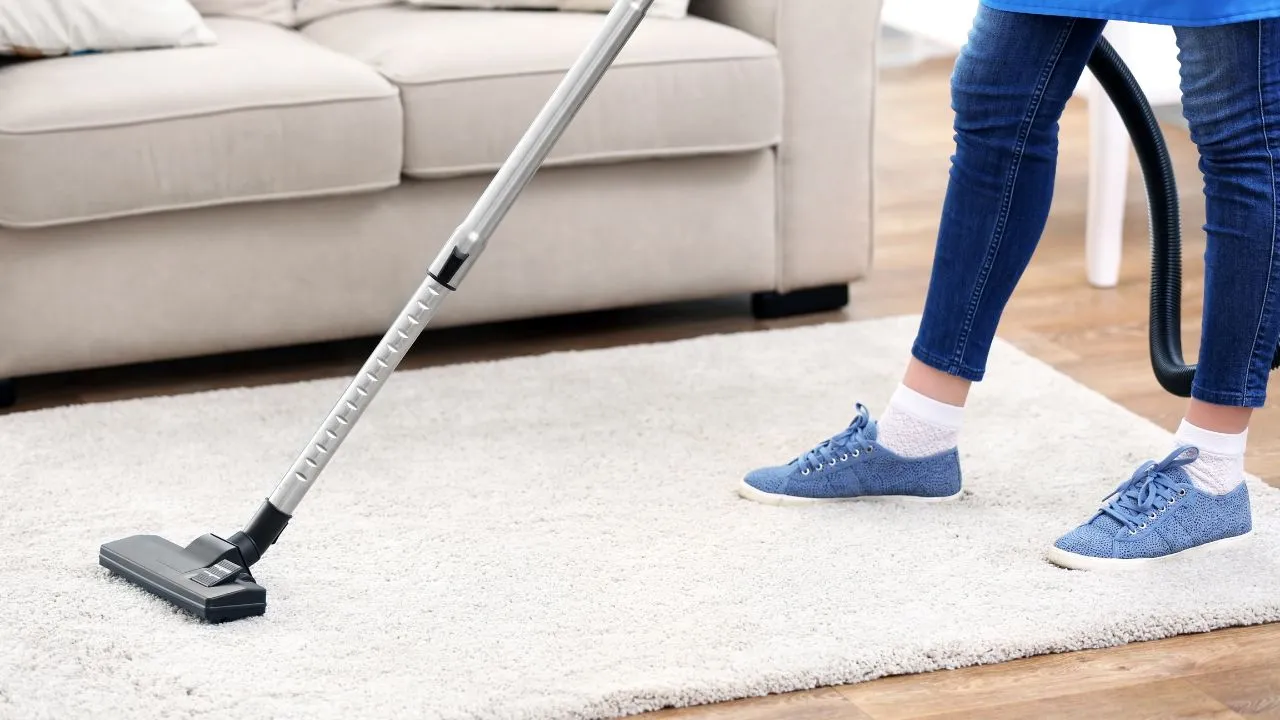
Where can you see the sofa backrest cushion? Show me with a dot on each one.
(660, 8)
(280, 12)
(308, 10)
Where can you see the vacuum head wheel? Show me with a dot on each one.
(207, 578)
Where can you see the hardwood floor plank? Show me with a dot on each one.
(1050, 676)
(1166, 700)
(823, 704)
(1252, 692)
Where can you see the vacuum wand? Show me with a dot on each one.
(461, 252)
(210, 577)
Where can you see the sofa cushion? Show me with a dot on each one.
(306, 11)
(263, 114)
(280, 12)
(658, 8)
(471, 82)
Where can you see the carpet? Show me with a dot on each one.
(559, 537)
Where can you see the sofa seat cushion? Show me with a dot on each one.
(472, 81)
(264, 114)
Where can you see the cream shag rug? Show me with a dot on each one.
(559, 537)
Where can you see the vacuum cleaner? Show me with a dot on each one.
(210, 577)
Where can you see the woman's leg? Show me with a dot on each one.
(1009, 88)
(1231, 84)
(1231, 99)
(1011, 82)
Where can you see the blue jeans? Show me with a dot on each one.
(1010, 85)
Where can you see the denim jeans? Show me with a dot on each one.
(1009, 87)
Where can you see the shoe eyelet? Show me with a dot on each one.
(1143, 526)
(1133, 532)
(870, 448)
(844, 457)
(856, 453)
(1152, 516)
(804, 471)
(1181, 492)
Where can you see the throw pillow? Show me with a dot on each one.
(308, 10)
(279, 12)
(49, 28)
(659, 8)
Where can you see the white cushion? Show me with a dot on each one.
(472, 81)
(309, 10)
(264, 114)
(659, 8)
(48, 28)
(280, 12)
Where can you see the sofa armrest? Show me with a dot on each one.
(826, 205)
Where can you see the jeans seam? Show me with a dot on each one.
(997, 235)
(1267, 298)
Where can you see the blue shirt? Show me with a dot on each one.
(1184, 13)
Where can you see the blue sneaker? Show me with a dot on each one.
(853, 466)
(1156, 515)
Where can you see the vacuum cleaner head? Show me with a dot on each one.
(208, 578)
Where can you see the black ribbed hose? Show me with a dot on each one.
(1165, 332)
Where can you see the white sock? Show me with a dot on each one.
(915, 425)
(1220, 467)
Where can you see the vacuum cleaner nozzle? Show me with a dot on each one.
(208, 578)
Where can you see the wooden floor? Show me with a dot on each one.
(1096, 336)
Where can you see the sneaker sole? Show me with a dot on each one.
(1074, 561)
(760, 496)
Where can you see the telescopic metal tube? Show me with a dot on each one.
(461, 252)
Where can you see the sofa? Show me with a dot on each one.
(291, 185)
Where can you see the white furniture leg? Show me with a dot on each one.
(1109, 149)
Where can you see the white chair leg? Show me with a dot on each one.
(1109, 149)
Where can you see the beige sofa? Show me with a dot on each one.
(292, 185)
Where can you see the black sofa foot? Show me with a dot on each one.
(8, 393)
(772, 305)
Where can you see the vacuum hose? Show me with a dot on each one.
(1165, 332)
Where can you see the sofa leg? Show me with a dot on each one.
(8, 393)
(773, 305)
